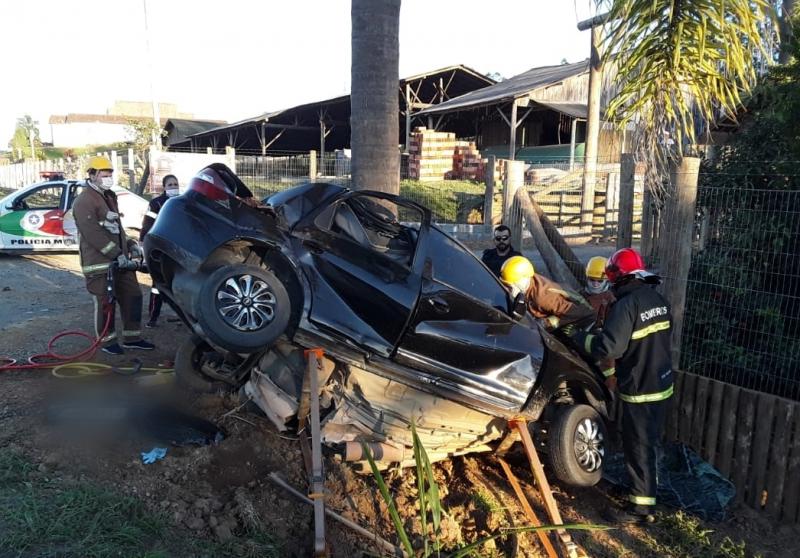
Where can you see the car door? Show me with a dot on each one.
(360, 262)
(35, 219)
(463, 332)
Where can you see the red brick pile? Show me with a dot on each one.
(430, 154)
(467, 162)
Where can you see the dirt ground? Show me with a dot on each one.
(222, 492)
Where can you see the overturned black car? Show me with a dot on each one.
(413, 326)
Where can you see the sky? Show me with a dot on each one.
(239, 58)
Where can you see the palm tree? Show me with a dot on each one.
(683, 61)
(374, 104)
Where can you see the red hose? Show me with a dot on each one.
(53, 358)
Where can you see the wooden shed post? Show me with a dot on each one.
(512, 140)
(488, 199)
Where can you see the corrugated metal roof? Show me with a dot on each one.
(518, 86)
(270, 115)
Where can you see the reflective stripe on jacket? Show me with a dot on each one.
(637, 335)
(98, 247)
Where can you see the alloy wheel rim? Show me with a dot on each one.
(246, 303)
(588, 445)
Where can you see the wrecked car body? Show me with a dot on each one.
(413, 326)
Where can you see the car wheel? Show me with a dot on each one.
(243, 308)
(188, 363)
(576, 445)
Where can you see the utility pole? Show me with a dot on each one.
(156, 135)
(592, 129)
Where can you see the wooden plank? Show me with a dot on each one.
(727, 431)
(744, 442)
(779, 455)
(686, 410)
(713, 415)
(699, 418)
(791, 491)
(761, 442)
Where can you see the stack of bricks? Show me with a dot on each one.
(467, 162)
(431, 154)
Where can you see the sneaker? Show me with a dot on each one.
(151, 324)
(140, 344)
(113, 349)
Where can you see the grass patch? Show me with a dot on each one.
(485, 502)
(449, 200)
(43, 518)
(680, 535)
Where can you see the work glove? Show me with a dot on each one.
(125, 263)
(569, 330)
(153, 455)
(112, 216)
(135, 250)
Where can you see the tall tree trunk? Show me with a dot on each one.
(374, 104)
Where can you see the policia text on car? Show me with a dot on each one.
(103, 242)
(637, 334)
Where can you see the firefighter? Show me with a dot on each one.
(636, 334)
(494, 258)
(598, 294)
(103, 245)
(597, 291)
(170, 190)
(545, 299)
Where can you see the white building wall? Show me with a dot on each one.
(81, 134)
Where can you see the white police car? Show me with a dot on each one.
(38, 218)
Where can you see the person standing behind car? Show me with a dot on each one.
(494, 258)
(637, 333)
(170, 189)
(102, 245)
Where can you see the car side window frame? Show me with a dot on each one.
(506, 311)
(22, 197)
(324, 221)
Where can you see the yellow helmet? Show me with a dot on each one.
(596, 268)
(515, 269)
(98, 162)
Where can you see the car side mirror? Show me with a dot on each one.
(519, 306)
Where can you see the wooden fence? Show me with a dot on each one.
(752, 438)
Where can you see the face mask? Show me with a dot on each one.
(172, 192)
(523, 284)
(595, 286)
(106, 182)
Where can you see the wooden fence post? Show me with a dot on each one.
(488, 200)
(515, 179)
(626, 192)
(312, 164)
(675, 245)
(230, 156)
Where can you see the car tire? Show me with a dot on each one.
(243, 308)
(187, 368)
(577, 440)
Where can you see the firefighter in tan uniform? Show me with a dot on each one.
(545, 299)
(103, 244)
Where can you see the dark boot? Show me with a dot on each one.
(629, 515)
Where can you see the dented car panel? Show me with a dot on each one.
(414, 327)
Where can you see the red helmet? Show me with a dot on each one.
(624, 262)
